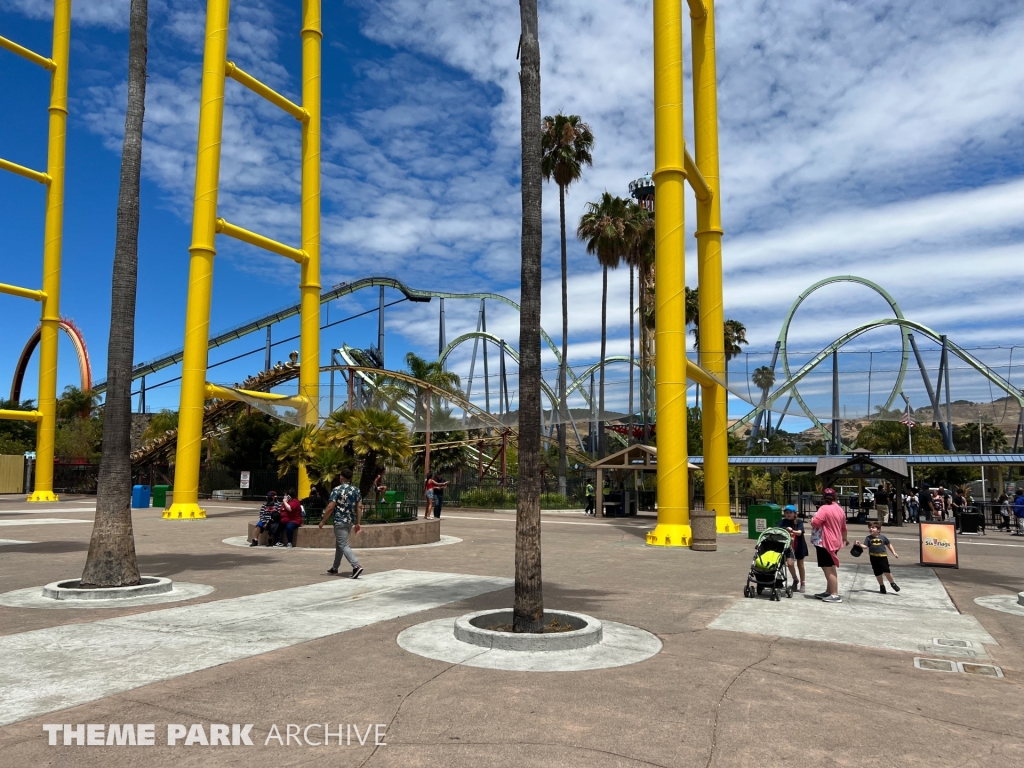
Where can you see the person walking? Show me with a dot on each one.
(590, 499)
(882, 504)
(828, 535)
(798, 549)
(346, 504)
(913, 506)
(958, 506)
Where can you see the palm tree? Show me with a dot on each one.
(639, 255)
(296, 447)
(111, 561)
(76, 403)
(374, 436)
(528, 606)
(566, 142)
(605, 229)
(325, 463)
(432, 373)
(763, 378)
(735, 336)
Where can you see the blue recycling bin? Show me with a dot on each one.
(140, 497)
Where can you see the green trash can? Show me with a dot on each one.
(760, 517)
(160, 496)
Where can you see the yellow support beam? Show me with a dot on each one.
(697, 9)
(695, 373)
(25, 293)
(229, 229)
(244, 395)
(20, 415)
(206, 225)
(239, 75)
(53, 237)
(700, 187)
(715, 412)
(21, 170)
(25, 53)
(309, 282)
(200, 280)
(673, 528)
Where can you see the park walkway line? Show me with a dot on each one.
(51, 669)
(41, 521)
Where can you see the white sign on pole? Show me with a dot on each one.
(244, 483)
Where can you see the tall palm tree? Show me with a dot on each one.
(324, 465)
(763, 378)
(566, 142)
(639, 255)
(432, 373)
(111, 561)
(605, 229)
(374, 436)
(528, 606)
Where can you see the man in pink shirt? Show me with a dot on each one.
(828, 533)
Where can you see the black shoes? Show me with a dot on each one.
(333, 572)
(881, 588)
(255, 543)
(357, 572)
(895, 586)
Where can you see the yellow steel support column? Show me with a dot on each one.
(709, 270)
(54, 231)
(309, 343)
(673, 527)
(200, 278)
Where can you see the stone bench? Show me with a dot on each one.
(369, 537)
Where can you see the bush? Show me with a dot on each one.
(487, 498)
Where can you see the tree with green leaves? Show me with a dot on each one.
(16, 436)
(566, 143)
(375, 437)
(111, 561)
(430, 372)
(605, 228)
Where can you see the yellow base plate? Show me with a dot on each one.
(665, 535)
(184, 512)
(43, 496)
(727, 525)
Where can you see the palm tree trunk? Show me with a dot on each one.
(111, 561)
(563, 413)
(604, 345)
(528, 610)
(368, 472)
(632, 328)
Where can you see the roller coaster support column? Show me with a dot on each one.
(309, 343)
(673, 527)
(200, 276)
(715, 415)
(54, 231)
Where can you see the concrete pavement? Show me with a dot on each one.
(710, 697)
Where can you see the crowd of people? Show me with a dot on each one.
(942, 505)
(829, 535)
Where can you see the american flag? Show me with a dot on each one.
(907, 420)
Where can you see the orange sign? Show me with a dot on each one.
(938, 545)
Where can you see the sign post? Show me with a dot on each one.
(938, 545)
(244, 482)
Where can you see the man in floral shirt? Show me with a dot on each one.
(346, 504)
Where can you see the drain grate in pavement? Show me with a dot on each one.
(936, 665)
(953, 643)
(945, 665)
(988, 670)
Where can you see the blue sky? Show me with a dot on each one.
(874, 138)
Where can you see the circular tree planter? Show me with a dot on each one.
(69, 590)
(478, 629)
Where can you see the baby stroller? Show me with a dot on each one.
(768, 571)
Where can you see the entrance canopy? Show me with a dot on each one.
(860, 463)
(639, 458)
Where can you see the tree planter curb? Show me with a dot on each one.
(69, 590)
(474, 628)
